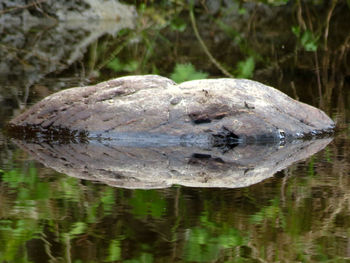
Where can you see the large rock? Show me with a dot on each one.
(153, 110)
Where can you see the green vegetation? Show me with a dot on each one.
(298, 46)
(306, 39)
(38, 207)
(185, 72)
(206, 241)
(118, 66)
(245, 68)
(145, 203)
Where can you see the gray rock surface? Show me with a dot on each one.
(144, 109)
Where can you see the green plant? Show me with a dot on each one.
(185, 72)
(178, 24)
(245, 68)
(118, 66)
(307, 39)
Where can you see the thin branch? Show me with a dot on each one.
(112, 55)
(8, 10)
(295, 94)
(329, 15)
(300, 16)
(319, 85)
(206, 50)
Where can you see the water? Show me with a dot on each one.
(58, 210)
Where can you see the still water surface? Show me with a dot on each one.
(299, 214)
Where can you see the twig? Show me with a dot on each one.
(206, 50)
(329, 15)
(318, 79)
(21, 6)
(300, 16)
(113, 54)
(294, 90)
(275, 65)
(92, 56)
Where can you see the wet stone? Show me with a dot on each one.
(229, 112)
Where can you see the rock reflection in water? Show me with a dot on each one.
(146, 168)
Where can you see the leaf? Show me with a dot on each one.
(309, 41)
(231, 32)
(245, 69)
(242, 11)
(130, 66)
(115, 65)
(118, 66)
(296, 31)
(178, 24)
(185, 72)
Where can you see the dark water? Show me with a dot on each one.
(299, 214)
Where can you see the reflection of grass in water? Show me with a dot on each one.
(311, 170)
(287, 227)
(22, 224)
(114, 250)
(272, 214)
(13, 235)
(35, 206)
(147, 202)
(205, 243)
(311, 208)
(143, 258)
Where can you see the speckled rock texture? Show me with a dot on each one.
(138, 109)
